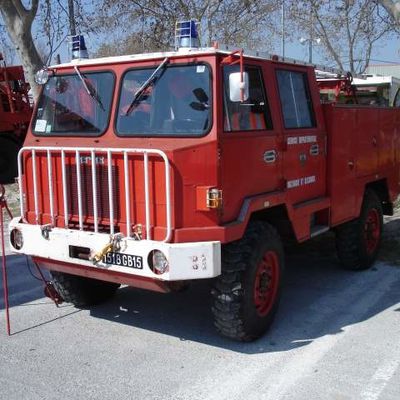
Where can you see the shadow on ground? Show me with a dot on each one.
(319, 299)
(23, 283)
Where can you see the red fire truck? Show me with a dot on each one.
(153, 170)
(15, 114)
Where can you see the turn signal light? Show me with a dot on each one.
(214, 198)
(208, 197)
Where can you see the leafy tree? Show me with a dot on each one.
(18, 20)
(347, 29)
(152, 23)
(53, 21)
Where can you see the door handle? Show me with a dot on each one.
(270, 156)
(314, 150)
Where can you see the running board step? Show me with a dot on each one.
(318, 230)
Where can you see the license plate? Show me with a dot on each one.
(123, 260)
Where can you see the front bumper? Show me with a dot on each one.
(187, 261)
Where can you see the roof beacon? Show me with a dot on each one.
(186, 34)
(78, 46)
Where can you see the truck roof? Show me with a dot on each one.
(182, 52)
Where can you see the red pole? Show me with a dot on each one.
(4, 265)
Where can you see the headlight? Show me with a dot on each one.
(158, 262)
(42, 76)
(16, 239)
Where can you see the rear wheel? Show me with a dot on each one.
(82, 291)
(8, 160)
(246, 294)
(358, 241)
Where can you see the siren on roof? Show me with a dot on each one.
(186, 34)
(78, 47)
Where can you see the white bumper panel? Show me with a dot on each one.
(196, 260)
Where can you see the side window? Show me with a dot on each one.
(295, 99)
(252, 114)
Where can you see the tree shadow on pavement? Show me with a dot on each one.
(319, 299)
(22, 285)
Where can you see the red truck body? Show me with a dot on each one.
(15, 115)
(222, 185)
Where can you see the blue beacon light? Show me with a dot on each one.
(79, 49)
(187, 34)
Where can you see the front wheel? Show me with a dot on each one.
(246, 294)
(358, 241)
(80, 291)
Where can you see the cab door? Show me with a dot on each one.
(250, 158)
(304, 158)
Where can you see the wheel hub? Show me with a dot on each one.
(266, 283)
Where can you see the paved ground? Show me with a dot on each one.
(337, 336)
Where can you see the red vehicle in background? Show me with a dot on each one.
(153, 170)
(15, 114)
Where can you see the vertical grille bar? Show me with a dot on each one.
(50, 176)
(110, 191)
(64, 188)
(20, 185)
(146, 193)
(79, 187)
(94, 192)
(127, 196)
(167, 195)
(35, 191)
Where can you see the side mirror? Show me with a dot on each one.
(235, 86)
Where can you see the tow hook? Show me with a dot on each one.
(113, 245)
(46, 229)
(102, 253)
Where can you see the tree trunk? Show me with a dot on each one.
(18, 21)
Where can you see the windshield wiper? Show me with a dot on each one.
(91, 91)
(145, 85)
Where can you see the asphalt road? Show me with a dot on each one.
(336, 336)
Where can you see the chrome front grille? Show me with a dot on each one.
(85, 188)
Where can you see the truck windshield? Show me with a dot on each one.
(177, 102)
(66, 108)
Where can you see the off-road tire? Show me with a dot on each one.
(358, 241)
(80, 291)
(236, 313)
(8, 160)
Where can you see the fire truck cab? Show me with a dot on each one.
(152, 170)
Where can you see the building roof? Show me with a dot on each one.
(384, 69)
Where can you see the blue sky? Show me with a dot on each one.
(384, 51)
